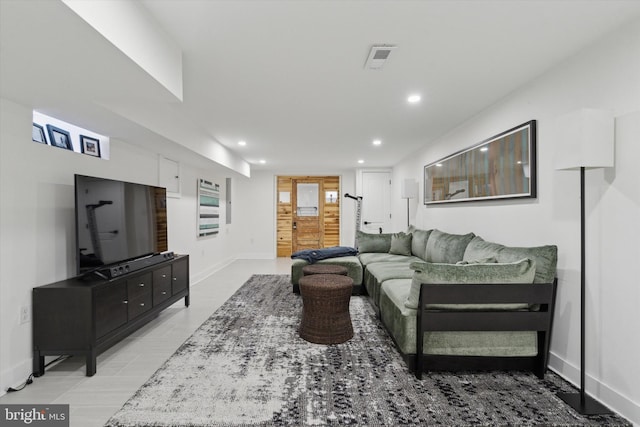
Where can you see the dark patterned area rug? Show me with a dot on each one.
(246, 365)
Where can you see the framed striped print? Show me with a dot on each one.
(501, 167)
(208, 208)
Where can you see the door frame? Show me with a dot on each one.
(332, 212)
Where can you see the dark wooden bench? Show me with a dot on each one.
(539, 295)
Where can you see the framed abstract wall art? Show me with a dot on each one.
(500, 167)
(208, 208)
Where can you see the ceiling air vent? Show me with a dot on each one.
(378, 56)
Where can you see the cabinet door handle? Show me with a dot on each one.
(175, 278)
(141, 304)
(164, 292)
(125, 302)
(141, 285)
(164, 275)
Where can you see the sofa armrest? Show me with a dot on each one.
(541, 296)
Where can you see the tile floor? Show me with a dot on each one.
(123, 368)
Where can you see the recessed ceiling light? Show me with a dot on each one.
(360, 161)
(414, 98)
(242, 143)
(263, 161)
(377, 142)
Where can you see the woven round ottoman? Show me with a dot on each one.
(312, 269)
(325, 308)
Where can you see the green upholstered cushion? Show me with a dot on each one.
(488, 260)
(400, 244)
(372, 257)
(546, 257)
(522, 271)
(447, 248)
(400, 321)
(378, 272)
(368, 242)
(419, 243)
(352, 263)
(478, 248)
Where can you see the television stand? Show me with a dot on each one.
(85, 315)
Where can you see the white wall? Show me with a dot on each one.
(257, 209)
(37, 230)
(606, 75)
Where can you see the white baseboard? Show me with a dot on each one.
(15, 375)
(197, 278)
(257, 255)
(601, 392)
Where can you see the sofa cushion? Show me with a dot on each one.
(400, 244)
(368, 242)
(546, 257)
(399, 320)
(419, 241)
(479, 248)
(488, 260)
(378, 272)
(522, 271)
(370, 258)
(447, 248)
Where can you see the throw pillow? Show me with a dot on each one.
(447, 248)
(546, 257)
(367, 242)
(400, 244)
(522, 271)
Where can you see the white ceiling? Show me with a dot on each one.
(288, 77)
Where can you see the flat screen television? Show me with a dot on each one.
(117, 221)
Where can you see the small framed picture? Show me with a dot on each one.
(90, 146)
(37, 134)
(59, 137)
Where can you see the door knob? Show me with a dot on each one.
(295, 226)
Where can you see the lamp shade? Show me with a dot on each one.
(409, 189)
(585, 138)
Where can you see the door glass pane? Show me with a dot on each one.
(307, 196)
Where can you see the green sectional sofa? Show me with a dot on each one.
(467, 303)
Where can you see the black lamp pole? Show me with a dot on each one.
(408, 211)
(581, 402)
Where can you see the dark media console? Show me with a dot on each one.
(85, 315)
(134, 265)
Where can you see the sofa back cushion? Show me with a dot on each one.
(546, 257)
(368, 242)
(447, 248)
(419, 242)
(522, 271)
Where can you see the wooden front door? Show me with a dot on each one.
(308, 213)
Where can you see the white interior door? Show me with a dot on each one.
(376, 202)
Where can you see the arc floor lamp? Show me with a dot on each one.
(585, 141)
